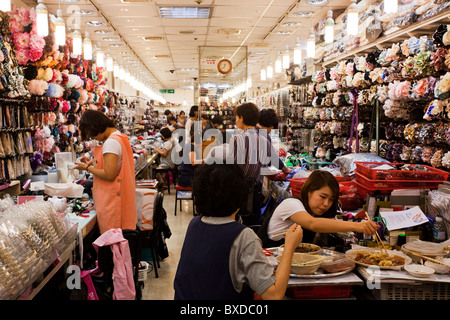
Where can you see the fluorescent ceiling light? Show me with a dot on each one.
(291, 24)
(185, 12)
(303, 14)
(102, 31)
(86, 12)
(95, 23)
(317, 2)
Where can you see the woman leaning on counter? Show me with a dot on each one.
(314, 211)
(113, 170)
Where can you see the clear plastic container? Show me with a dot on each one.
(337, 264)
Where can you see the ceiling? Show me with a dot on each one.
(170, 57)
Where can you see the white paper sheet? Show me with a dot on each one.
(404, 219)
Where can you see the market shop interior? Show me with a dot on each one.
(224, 149)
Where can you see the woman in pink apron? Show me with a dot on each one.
(113, 192)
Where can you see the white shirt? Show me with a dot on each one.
(217, 154)
(280, 218)
(113, 146)
(168, 145)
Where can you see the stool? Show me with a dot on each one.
(174, 172)
(183, 193)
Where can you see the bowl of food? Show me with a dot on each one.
(304, 263)
(302, 248)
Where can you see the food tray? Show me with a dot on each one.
(351, 255)
(367, 169)
(396, 184)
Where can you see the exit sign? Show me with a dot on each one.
(167, 91)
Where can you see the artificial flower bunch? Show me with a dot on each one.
(29, 46)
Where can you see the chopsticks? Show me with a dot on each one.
(377, 238)
(426, 258)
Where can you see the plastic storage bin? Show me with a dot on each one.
(363, 190)
(297, 183)
(351, 203)
(418, 291)
(319, 292)
(368, 170)
(396, 184)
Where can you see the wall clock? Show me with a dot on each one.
(224, 66)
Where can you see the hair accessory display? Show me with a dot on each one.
(446, 160)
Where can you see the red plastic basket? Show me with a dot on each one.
(295, 192)
(297, 183)
(351, 203)
(347, 187)
(319, 292)
(363, 190)
(368, 170)
(396, 184)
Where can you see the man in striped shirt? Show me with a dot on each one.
(253, 152)
(250, 148)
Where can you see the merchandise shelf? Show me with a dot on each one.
(417, 29)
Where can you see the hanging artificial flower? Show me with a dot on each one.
(54, 90)
(29, 46)
(51, 118)
(65, 107)
(37, 87)
(22, 40)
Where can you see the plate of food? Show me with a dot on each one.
(367, 257)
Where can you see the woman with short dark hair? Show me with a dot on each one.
(114, 190)
(222, 259)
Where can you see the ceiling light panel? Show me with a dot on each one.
(185, 12)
